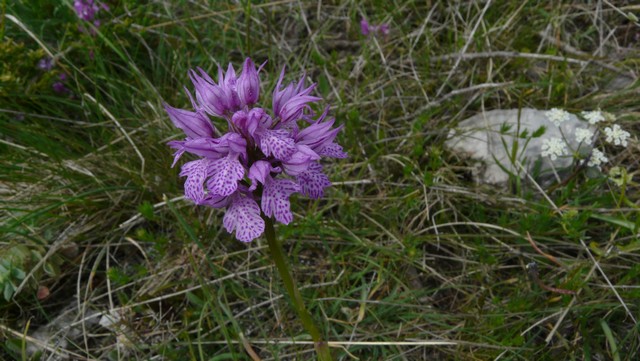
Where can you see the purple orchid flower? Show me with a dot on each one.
(87, 11)
(264, 158)
(59, 86)
(370, 29)
(45, 64)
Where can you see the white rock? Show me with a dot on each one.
(60, 331)
(489, 137)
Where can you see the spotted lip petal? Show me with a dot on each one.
(196, 173)
(225, 174)
(332, 150)
(313, 181)
(277, 143)
(243, 217)
(275, 199)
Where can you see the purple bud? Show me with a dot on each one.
(318, 134)
(228, 83)
(281, 97)
(207, 147)
(247, 123)
(364, 27)
(194, 124)
(300, 160)
(384, 29)
(258, 173)
(230, 78)
(257, 117)
(85, 9)
(292, 109)
(248, 85)
(59, 88)
(237, 144)
(45, 64)
(210, 96)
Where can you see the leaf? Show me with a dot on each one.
(8, 291)
(610, 340)
(146, 210)
(539, 132)
(617, 221)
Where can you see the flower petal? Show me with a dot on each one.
(300, 160)
(293, 108)
(211, 97)
(226, 174)
(178, 145)
(275, 199)
(277, 143)
(215, 201)
(364, 27)
(313, 181)
(196, 172)
(243, 216)
(258, 173)
(193, 124)
(333, 150)
(248, 85)
(207, 147)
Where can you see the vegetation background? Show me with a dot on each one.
(404, 259)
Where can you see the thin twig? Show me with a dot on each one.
(546, 255)
(515, 54)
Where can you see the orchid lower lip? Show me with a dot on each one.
(265, 156)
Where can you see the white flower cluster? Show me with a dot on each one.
(614, 135)
(557, 116)
(617, 135)
(593, 117)
(584, 135)
(559, 147)
(554, 148)
(597, 158)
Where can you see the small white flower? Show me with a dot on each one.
(556, 116)
(554, 148)
(617, 135)
(584, 135)
(597, 158)
(593, 117)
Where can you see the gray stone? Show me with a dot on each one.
(488, 137)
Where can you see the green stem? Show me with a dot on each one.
(322, 348)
